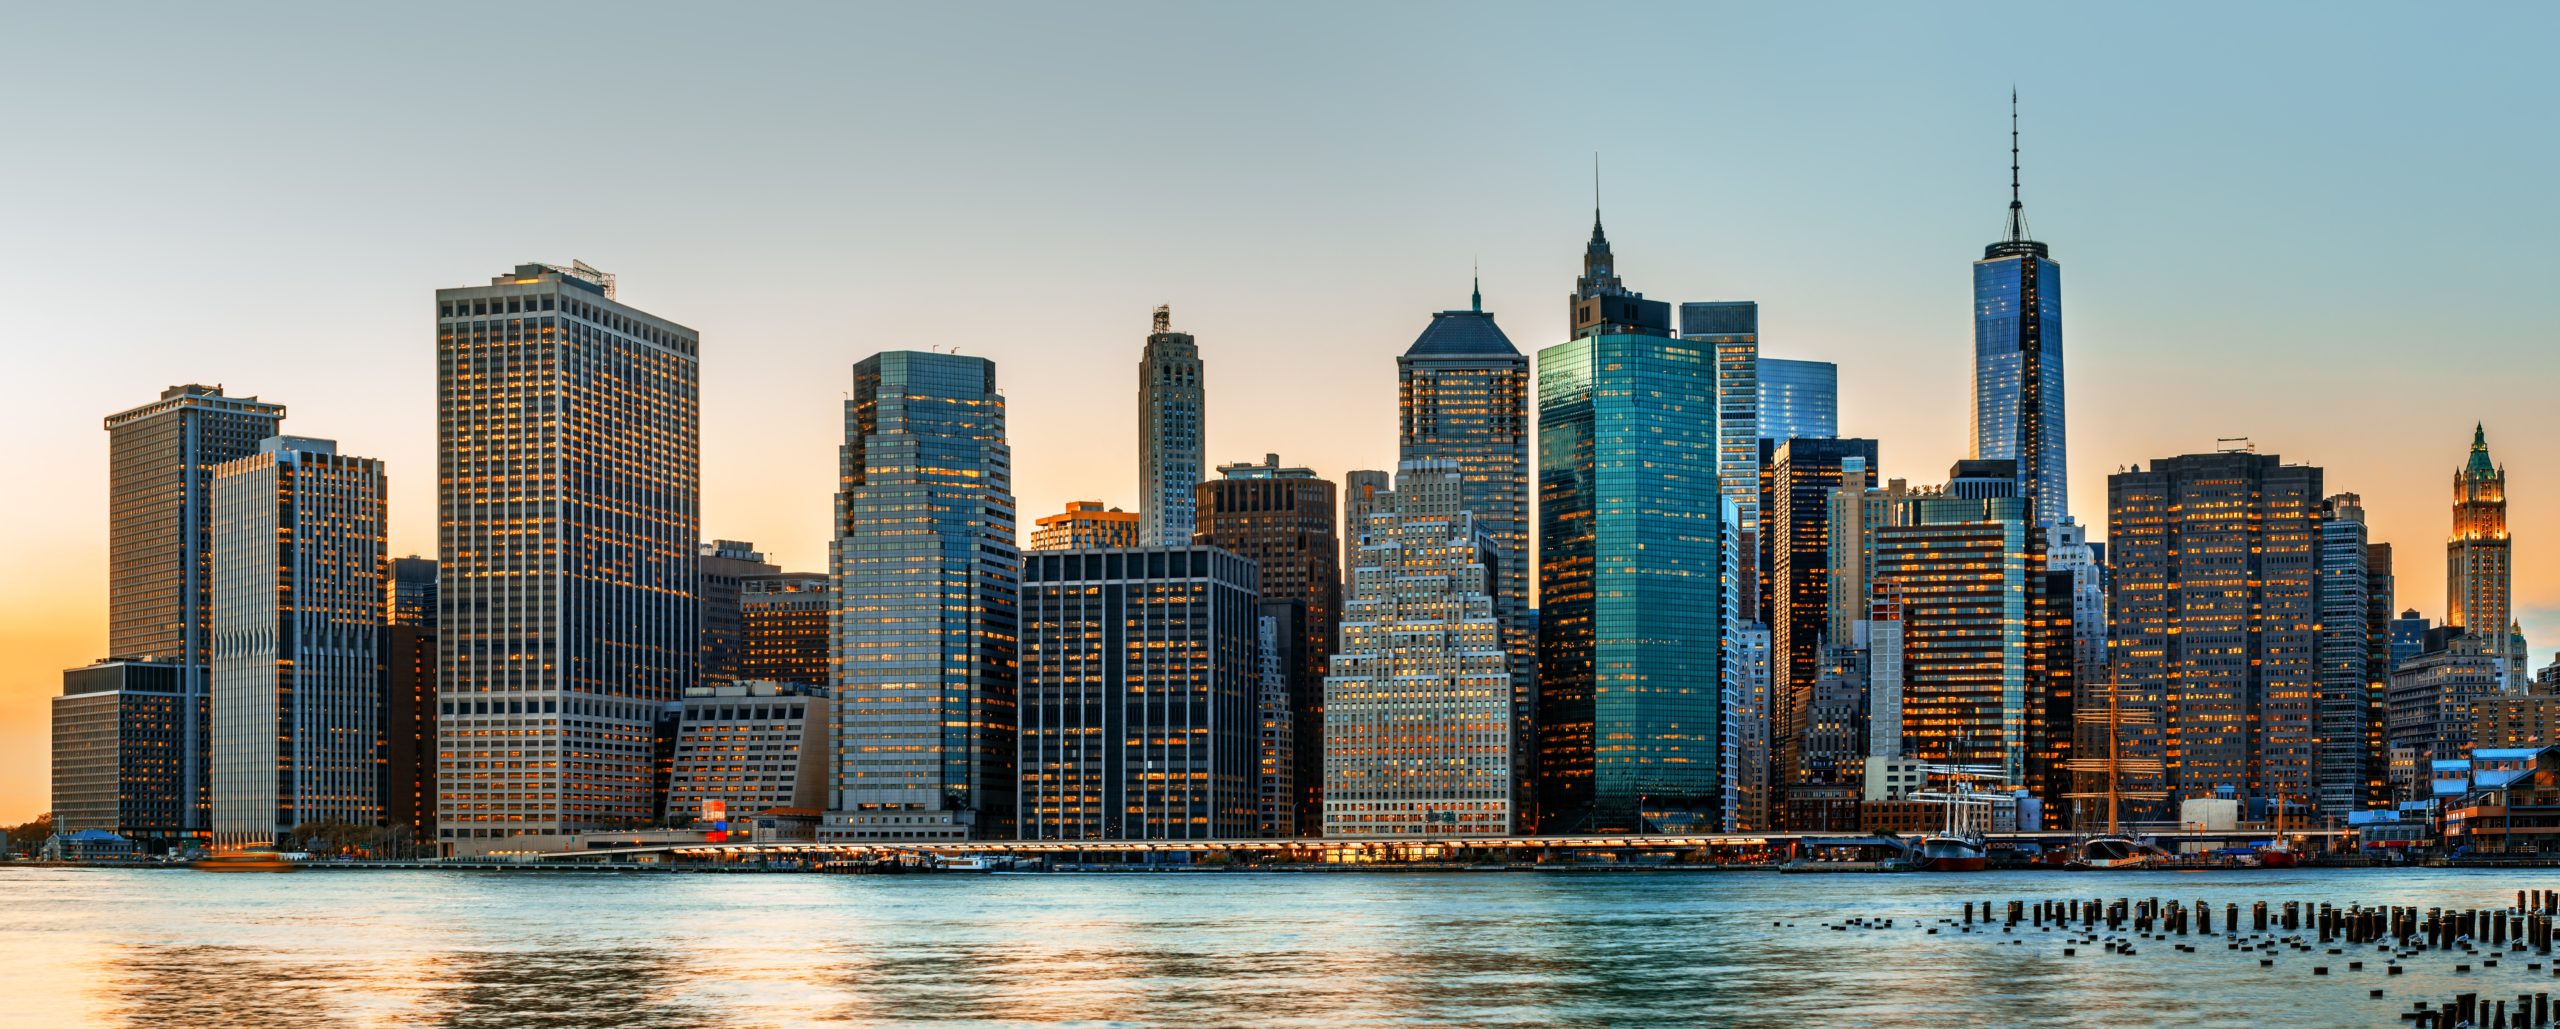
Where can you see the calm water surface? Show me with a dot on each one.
(83, 947)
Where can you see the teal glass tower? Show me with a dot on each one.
(1629, 691)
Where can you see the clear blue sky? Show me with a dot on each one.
(2327, 227)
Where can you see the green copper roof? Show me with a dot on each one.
(2480, 452)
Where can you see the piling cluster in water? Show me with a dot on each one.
(2468, 937)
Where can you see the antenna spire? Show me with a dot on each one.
(2017, 206)
(1475, 300)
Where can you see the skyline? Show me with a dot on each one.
(314, 231)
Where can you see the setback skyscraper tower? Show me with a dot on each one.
(1282, 519)
(1172, 428)
(2017, 357)
(568, 503)
(926, 631)
(1629, 656)
(1463, 397)
(2479, 567)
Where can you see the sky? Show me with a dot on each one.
(2325, 228)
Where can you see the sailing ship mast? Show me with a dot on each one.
(2115, 764)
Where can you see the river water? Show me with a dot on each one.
(134, 947)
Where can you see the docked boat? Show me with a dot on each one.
(1850, 854)
(2111, 852)
(2277, 854)
(1951, 852)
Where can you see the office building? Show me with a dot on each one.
(2214, 602)
(2017, 358)
(1281, 518)
(1140, 684)
(1630, 653)
(405, 685)
(2479, 569)
(1463, 397)
(2515, 720)
(1280, 650)
(160, 461)
(568, 504)
(1796, 525)
(2432, 695)
(413, 591)
(1085, 525)
(1798, 399)
(927, 587)
(747, 747)
(1731, 329)
(1173, 434)
(726, 564)
(2408, 636)
(2068, 550)
(123, 753)
(1362, 488)
(786, 621)
(298, 563)
(2380, 596)
(1418, 708)
(2347, 677)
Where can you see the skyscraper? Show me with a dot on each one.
(1463, 397)
(1282, 519)
(124, 733)
(2380, 598)
(1796, 523)
(2214, 603)
(298, 562)
(786, 625)
(927, 587)
(726, 564)
(1362, 489)
(2346, 648)
(568, 504)
(1798, 398)
(407, 686)
(2017, 357)
(1732, 329)
(160, 461)
(1418, 708)
(1172, 434)
(1630, 540)
(1085, 525)
(2479, 596)
(1139, 690)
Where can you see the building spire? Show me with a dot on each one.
(2017, 206)
(1475, 298)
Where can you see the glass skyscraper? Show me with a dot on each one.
(1630, 697)
(927, 585)
(568, 504)
(2017, 359)
(1799, 399)
(1732, 329)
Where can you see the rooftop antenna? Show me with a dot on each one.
(2017, 206)
(1475, 300)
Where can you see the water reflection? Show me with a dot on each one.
(404, 949)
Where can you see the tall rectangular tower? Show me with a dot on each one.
(2346, 678)
(160, 461)
(1463, 397)
(298, 563)
(568, 513)
(928, 594)
(1732, 329)
(1796, 521)
(1798, 398)
(1282, 518)
(1140, 688)
(1173, 430)
(2214, 635)
(2479, 567)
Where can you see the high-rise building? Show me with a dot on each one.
(413, 591)
(746, 747)
(2408, 637)
(2380, 596)
(2479, 570)
(568, 504)
(786, 624)
(1418, 708)
(1139, 690)
(725, 565)
(1084, 525)
(1280, 650)
(1798, 398)
(1630, 656)
(2432, 694)
(1731, 328)
(1463, 397)
(1172, 434)
(1282, 519)
(406, 685)
(2346, 649)
(2017, 357)
(298, 562)
(123, 736)
(160, 460)
(1362, 489)
(2214, 635)
(2068, 550)
(927, 587)
(1796, 525)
